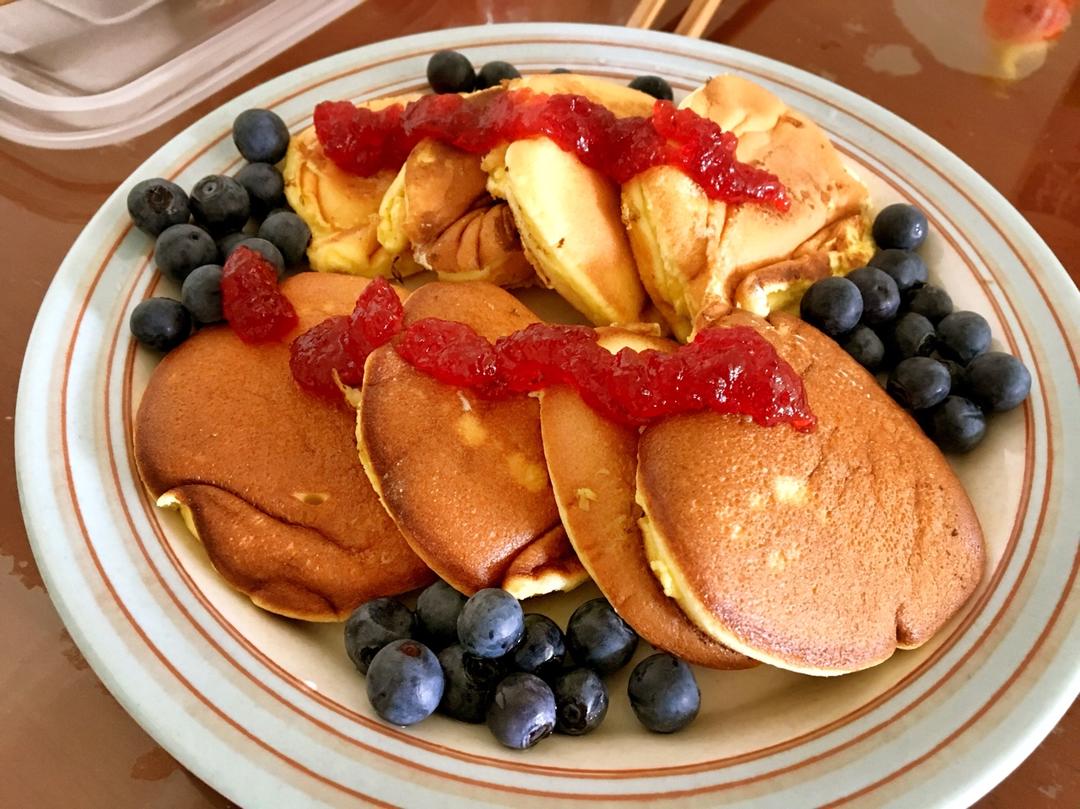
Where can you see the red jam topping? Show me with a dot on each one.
(320, 352)
(363, 142)
(374, 320)
(251, 301)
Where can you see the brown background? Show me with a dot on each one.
(65, 741)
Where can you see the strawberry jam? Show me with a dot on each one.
(251, 301)
(363, 142)
(374, 320)
(320, 352)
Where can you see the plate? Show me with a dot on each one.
(270, 712)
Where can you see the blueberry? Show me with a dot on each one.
(227, 243)
(598, 638)
(450, 72)
(930, 301)
(373, 625)
(493, 73)
(997, 381)
(900, 226)
(663, 693)
(470, 683)
(956, 425)
(157, 204)
(963, 336)
(220, 204)
(438, 609)
(265, 187)
(260, 136)
(559, 70)
(919, 382)
(865, 347)
(405, 682)
(201, 294)
(264, 249)
(913, 336)
(653, 86)
(181, 248)
(522, 711)
(956, 374)
(542, 648)
(160, 323)
(834, 305)
(880, 295)
(491, 623)
(581, 702)
(907, 269)
(288, 233)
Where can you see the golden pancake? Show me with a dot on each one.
(695, 253)
(821, 552)
(342, 209)
(266, 475)
(464, 478)
(592, 463)
(568, 215)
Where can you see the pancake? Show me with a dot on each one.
(568, 215)
(822, 552)
(694, 253)
(592, 463)
(342, 209)
(464, 478)
(265, 475)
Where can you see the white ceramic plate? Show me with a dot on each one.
(271, 713)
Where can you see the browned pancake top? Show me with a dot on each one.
(269, 472)
(464, 478)
(821, 552)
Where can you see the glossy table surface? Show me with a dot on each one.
(66, 742)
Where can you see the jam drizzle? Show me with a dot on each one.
(363, 141)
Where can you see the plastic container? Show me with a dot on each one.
(81, 73)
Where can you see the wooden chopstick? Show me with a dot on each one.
(645, 13)
(697, 18)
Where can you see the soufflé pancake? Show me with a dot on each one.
(818, 552)
(463, 477)
(592, 462)
(266, 475)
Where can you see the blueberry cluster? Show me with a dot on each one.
(195, 233)
(452, 72)
(483, 659)
(890, 319)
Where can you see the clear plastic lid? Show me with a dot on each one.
(81, 73)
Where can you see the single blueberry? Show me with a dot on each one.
(907, 269)
(581, 702)
(963, 336)
(919, 382)
(156, 204)
(160, 323)
(265, 187)
(374, 624)
(450, 72)
(865, 347)
(288, 233)
(260, 136)
(558, 70)
(220, 204)
(598, 638)
(227, 243)
(437, 609)
(654, 86)
(900, 226)
(405, 682)
(181, 248)
(264, 249)
(930, 301)
(201, 294)
(833, 305)
(956, 425)
(522, 711)
(542, 648)
(493, 73)
(880, 295)
(491, 623)
(470, 683)
(663, 693)
(913, 336)
(997, 381)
